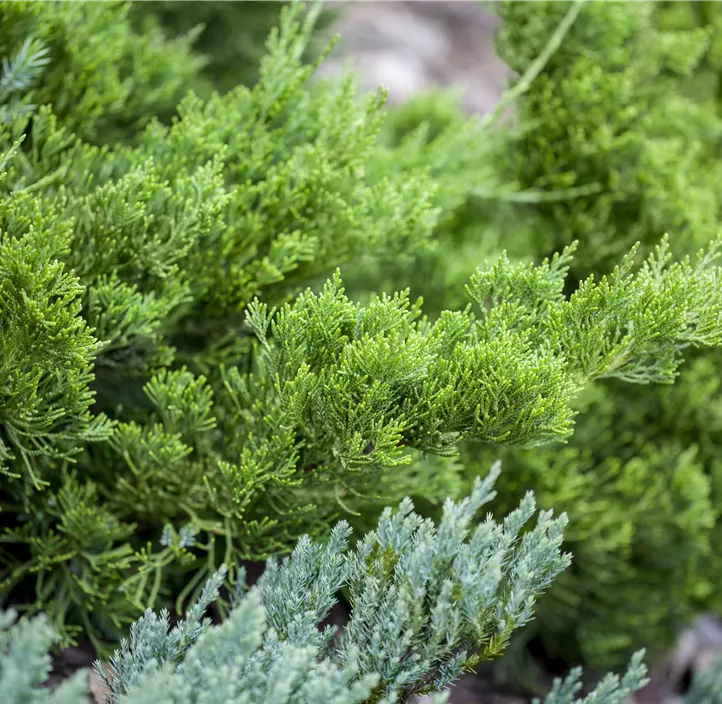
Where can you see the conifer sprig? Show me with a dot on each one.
(611, 690)
(426, 603)
(25, 664)
(17, 76)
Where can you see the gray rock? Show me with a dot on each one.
(411, 47)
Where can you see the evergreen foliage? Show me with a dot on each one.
(157, 247)
(606, 148)
(230, 35)
(609, 108)
(25, 664)
(704, 85)
(104, 79)
(612, 689)
(19, 73)
(426, 602)
(607, 113)
(423, 600)
(183, 385)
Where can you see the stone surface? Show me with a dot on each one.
(416, 46)
(696, 648)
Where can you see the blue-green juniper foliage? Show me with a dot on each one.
(426, 601)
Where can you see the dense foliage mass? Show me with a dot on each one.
(706, 17)
(607, 148)
(230, 36)
(642, 470)
(426, 602)
(207, 354)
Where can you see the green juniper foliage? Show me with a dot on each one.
(104, 79)
(607, 113)
(574, 166)
(640, 478)
(142, 260)
(183, 385)
(230, 35)
(706, 17)
(430, 132)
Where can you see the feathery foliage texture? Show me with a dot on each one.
(157, 664)
(230, 34)
(606, 149)
(637, 143)
(125, 274)
(185, 383)
(426, 601)
(612, 689)
(25, 664)
(641, 475)
(174, 665)
(104, 79)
